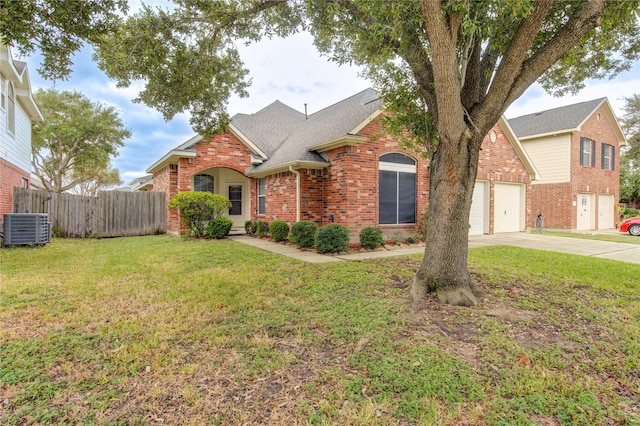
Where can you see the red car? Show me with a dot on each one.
(631, 225)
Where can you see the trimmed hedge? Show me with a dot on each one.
(197, 208)
(332, 238)
(279, 230)
(217, 228)
(262, 228)
(371, 237)
(303, 233)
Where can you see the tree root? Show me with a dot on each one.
(457, 297)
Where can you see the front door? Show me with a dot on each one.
(585, 211)
(235, 212)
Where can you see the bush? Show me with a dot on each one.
(303, 233)
(421, 227)
(197, 208)
(262, 228)
(219, 227)
(279, 230)
(371, 237)
(332, 238)
(247, 226)
(254, 228)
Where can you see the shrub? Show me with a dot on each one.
(197, 208)
(371, 237)
(279, 230)
(254, 228)
(262, 228)
(421, 227)
(332, 238)
(219, 227)
(303, 233)
(247, 226)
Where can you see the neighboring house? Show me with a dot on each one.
(141, 184)
(576, 149)
(336, 166)
(17, 111)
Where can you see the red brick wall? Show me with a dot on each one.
(10, 177)
(556, 201)
(499, 162)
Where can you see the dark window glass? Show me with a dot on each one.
(388, 197)
(235, 196)
(396, 157)
(203, 183)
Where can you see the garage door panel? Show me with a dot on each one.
(507, 212)
(478, 209)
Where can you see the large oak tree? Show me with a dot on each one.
(75, 143)
(448, 69)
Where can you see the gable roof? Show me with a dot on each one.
(339, 122)
(279, 136)
(563, 120)
(18, 73)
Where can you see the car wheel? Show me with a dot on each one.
(634, 230)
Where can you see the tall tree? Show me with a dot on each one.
(57, 28)
(445, 67)
(630, 162)
(76, 141)
(97, 180)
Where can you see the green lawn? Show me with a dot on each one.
(613, 237)
(158, 330)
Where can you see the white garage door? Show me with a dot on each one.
(605, 212)
(585, 211)
(478, 209)
(508, 211)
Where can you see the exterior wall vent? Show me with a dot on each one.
(25, 229)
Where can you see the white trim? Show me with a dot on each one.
(245, 140)
(171, 157)
(520, 151)
(345, 140)
(285, 167)
(397, 167)
(366, 121)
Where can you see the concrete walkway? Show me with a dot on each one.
(602, 249)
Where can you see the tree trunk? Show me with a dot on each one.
(444, 267)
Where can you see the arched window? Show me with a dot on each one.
(397, 189)
(11, 108)
(203, 183)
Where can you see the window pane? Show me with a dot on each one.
(203, 183)
(407, 198)
(261, 204)
(235, 196)
(396, 157)
(388, 197)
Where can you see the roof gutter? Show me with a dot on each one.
(297, 173)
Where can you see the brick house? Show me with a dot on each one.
(337, 166)
(576, 149)
(17, 111)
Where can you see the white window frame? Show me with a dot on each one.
(11, 109)
(262, 195)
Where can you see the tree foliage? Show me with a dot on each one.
(57, 28)
(446, 70)
(630, 162)
(75, 143)
(98, 180)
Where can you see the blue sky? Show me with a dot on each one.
(289, 70)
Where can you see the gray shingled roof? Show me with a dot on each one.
(325, 125)
(554, 120)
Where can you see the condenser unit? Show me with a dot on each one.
(25, 229)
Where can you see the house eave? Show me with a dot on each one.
(315, 165)
(172, 157)
(519, 149)
(345, 140)
(543, 135)
(245, 140)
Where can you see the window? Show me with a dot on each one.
(262, 199)
(235, 196)
(587, 152)
(25, 183)
(397, 189)
(203, 183)
(11, 109)
(608, 156)
(3, 94)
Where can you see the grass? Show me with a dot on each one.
(150, 330)
(616, 238)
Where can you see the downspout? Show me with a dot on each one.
(297, 173)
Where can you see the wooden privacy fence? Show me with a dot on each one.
(110, 214)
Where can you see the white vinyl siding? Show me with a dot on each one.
(552, 157)
(16, 148)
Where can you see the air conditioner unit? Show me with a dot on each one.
(26, 228)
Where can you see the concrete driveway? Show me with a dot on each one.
(602, 249)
